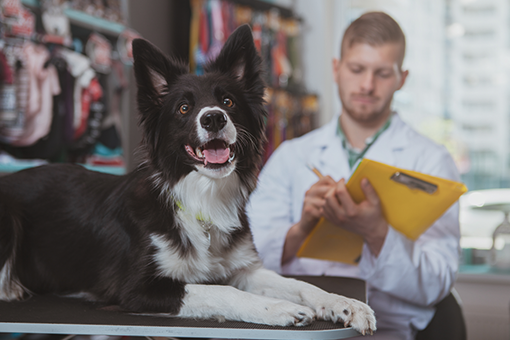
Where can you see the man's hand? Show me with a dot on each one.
(312, 211)
(365, 218)
(314, 202)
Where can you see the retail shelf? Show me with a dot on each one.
(85, 20)
(100, 25)
(31, 3)
(113, 170)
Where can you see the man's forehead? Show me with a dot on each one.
(384, 55)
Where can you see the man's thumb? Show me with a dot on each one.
(369, 191)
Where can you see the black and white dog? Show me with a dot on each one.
(172, 236)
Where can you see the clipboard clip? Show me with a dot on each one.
(413, 182)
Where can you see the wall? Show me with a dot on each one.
(154, 24)
(321, 43)
(485, 304)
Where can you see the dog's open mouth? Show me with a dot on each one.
(214, 153)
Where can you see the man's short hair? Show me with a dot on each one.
(375, 29)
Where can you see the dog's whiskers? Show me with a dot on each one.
(245, 137)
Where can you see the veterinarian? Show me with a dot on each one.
(405, 278)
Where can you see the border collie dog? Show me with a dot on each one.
(171, 237)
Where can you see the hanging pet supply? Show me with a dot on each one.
(56, 23)
(18, 21)
(99, 49)
(124, 45)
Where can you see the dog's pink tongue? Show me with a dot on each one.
(218, 156)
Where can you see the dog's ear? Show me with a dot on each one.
(238, 57)
(154, 72)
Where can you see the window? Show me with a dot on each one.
(479, 33)
(482, 10)
(482, 105)
(472, 80)
(476, 57)
(477, 128)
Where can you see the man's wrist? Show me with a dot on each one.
(375, 240)
(293, 241)
(297, 233)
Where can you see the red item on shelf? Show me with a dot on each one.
(91, 94)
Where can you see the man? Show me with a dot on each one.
(405, 278)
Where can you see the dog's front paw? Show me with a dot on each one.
(284, 313)
(351, 312)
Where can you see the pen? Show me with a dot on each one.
(314, 169)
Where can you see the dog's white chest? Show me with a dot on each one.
(206, 214)
(204, 263)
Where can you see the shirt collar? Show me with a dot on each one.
(354, 154)
(370, 140)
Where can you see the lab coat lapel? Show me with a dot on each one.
(331, 159)
(330, 156)
(390, 142)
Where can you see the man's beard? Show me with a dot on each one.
(367, 117)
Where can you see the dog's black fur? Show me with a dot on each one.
(67, 230)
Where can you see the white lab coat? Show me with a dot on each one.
(407, 278)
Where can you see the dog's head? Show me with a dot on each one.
(213, 123)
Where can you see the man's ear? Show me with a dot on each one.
(154, 72)
(335, 65)
(239, 57)
(403, 78)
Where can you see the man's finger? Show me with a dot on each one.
(321, 187)
(317, 202)
(369, 191)
(326, 181)
(344, 197)
(331, 202)
(333, 210)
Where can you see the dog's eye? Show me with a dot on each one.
(184, 109)
(228, 102)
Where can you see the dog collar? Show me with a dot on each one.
(205, 223)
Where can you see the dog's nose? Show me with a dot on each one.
(213, 121)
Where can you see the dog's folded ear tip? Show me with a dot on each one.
(244, 30)
(244, 27)
(144, 49)
(139, 43)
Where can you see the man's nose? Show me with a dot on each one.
(368, 82)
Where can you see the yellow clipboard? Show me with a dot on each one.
(411, 202)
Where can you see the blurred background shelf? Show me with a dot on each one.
(94, 23)
(113, 170)
(85, 20)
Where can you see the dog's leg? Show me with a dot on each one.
(327, 306)
(226, 302)
(10, 231)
